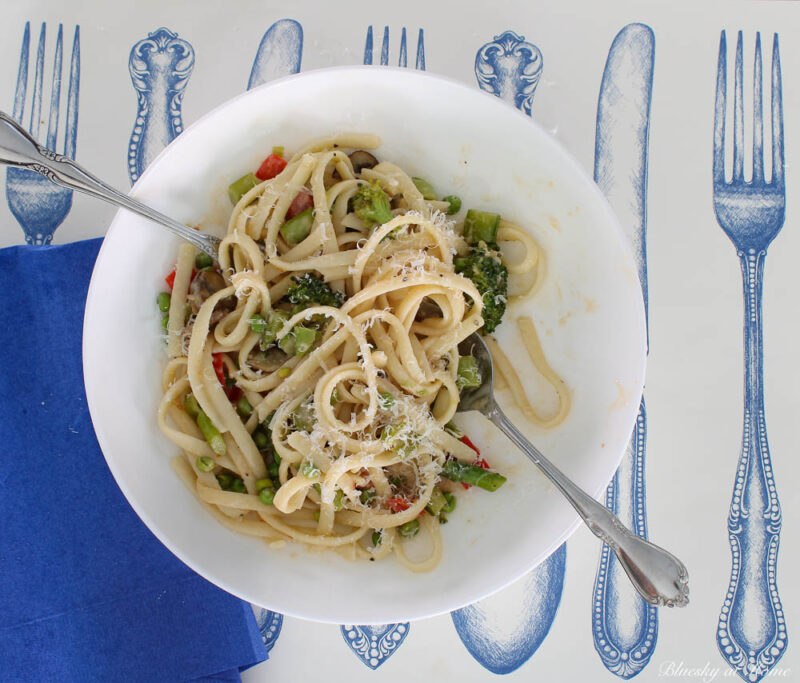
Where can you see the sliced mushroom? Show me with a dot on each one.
(268, 361)
(362, 159)
(206, 283)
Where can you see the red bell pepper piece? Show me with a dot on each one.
(300, 203)
(219, 368)
(170, 279)
(270, 167)
(398, 504)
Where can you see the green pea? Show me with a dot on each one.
(376, 538)
(262, 484)
(238, 486)
(204, 463)
(283, 373)
(272, 470)
(163, 300)
(266, 496)
(455, 204)
(244, 407)
(260, 439)
(203, 260)
(165, 322)
(410, 529)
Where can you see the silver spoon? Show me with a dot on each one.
(660, 577)
(19, 149)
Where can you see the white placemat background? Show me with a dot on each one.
(694, 384)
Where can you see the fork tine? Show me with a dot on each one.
(758, 118)
(420, 51)
(385, 47)
(719, 114)
(55, 95)
(36, 104)
(777, 116)
(22, 75)
(403, 61)
(738, 114)
(72, 95)
(368, 46)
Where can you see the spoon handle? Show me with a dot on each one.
(659, 576)
(19, 149)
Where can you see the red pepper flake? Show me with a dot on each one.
(398, 504)
(465, 439)
(270, 167)
(480, 462)
(302, 201)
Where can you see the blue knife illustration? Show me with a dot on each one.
(279, 53)
(624, 626)
(160, 67)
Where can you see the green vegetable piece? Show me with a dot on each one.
(203, 260)
(266, 496)
(262, 484)
(310, 470)
(425, 188)
(304, 339)
(409, 529)
(317, 488)
(244, 407)
(204, 463)
(472, 475)
(283, 373)
(455, 204)
(451, 502)
(286, 344)
(240, 187)
(165, 322)
(260, 439)
(302, 417)
(163, 300)
(308, 290)
(469, 374)
(385, 400)
(338, 500)
(238, 486)
(225, 480)
(402, 445)
(316, 515)
(191, 406)
(377, 537)
(272, 325)
(211, 434)
(487, 272)
(272, 470)
(437, 502)
(278, 150)
(277, 458)
(258, 323)
(481, 226)
(298, 228)
(334, 397)
(453, 430)
(367, 495)
(371, 204)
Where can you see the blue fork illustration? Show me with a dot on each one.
(751, 632)
(160, 67)
(39, 205)
(403, 57)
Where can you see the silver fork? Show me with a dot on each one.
(751, 633)
(38, 205)
(403, 57)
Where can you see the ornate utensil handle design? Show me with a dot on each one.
(160, 67)
(752, 629)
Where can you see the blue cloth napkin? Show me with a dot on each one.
(87, 593)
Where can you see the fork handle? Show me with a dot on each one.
(660, 577)
(19, 149)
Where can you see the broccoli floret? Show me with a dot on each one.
(371, 205)
(309, 290)
(483, 266)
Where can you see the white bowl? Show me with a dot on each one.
(589, 314)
